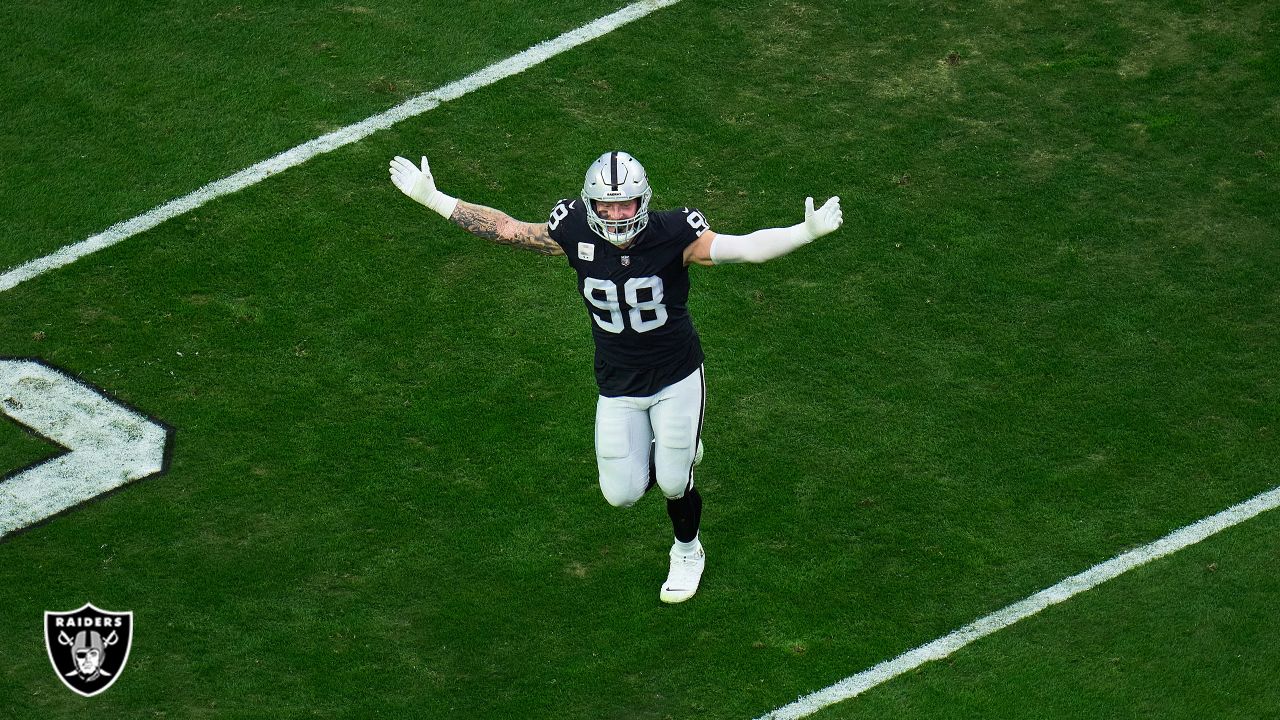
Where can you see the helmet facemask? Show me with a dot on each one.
(617, 177)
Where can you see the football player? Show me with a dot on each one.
(633, 276)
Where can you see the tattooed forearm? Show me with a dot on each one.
(499, 227)
(479, 221)
(536, 238)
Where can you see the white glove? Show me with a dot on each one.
(770, 243)
(419, 185)
(825, 219)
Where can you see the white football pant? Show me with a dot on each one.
(625, 427)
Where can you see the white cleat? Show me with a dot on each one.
(686, 573)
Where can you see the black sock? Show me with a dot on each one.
(686, 515)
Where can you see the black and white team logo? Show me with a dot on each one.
(88, 647)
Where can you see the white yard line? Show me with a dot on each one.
(352, 133)
(1072, 586)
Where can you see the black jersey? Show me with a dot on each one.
(637, 298)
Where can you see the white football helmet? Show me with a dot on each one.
(616, 177)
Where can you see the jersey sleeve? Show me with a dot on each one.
(691, 224)
(557, 227)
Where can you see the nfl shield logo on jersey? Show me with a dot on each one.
(626, 261)
(88, 647)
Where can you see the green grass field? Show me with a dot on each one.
(1046, 334)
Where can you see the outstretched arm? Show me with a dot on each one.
(478, 220)
(503, 229)
(719, 249)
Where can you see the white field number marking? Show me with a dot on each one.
(109, 444)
